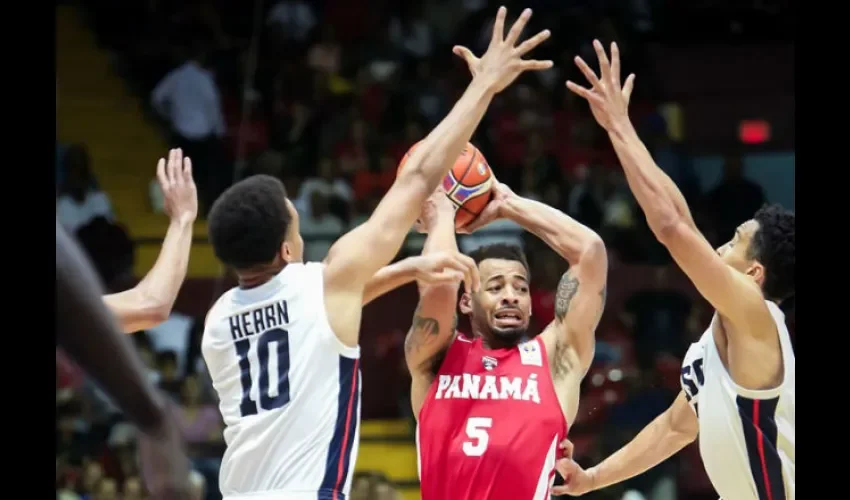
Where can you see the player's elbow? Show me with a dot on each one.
(681, 423)
(149, 310)
(593, 253)
(667, 229)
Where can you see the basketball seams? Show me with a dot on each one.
(468, 166)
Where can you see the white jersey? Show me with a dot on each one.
(746, 438)
(289, 390)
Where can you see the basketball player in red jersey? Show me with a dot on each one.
(497, 402)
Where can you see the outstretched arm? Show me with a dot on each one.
(435, 319)
(733, 294)
(667, 434)
(149, 303)
(358, 255)
(434, 270)
(580, 298)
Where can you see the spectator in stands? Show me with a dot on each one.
(353, 152)
(427, 95)
(295, 132)
(647, 398)
(657, 316)
(541, 162)
(189, 100)
(733, 200)
(92, 475)
(587, 199)
(106, 489)
(411, 32)
(329, 184)
(132, 489)
(320, 228)
(71, 429)
(169, 373)
(291, 20)
(377, 177)
(80, 200)
(201, 427)
(325, 56)
(247, 138)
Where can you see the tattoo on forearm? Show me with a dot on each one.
(421, 331)
(567, 289)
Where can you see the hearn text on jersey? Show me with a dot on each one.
(256, 321)
(467, 386)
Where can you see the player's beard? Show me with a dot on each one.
(509, 336)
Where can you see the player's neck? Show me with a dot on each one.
(259, 276)
(493, 342)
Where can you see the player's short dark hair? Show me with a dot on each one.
(773, 245)
(504, 251)
(248, 223)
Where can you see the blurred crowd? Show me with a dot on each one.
(328, 95)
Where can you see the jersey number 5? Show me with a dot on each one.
(280, 338)
(476, 431)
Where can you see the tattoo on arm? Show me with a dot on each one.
(564, 359)
(567, 289)
(421, 332)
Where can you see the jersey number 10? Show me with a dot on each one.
(280, 338)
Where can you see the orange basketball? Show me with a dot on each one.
(468, 184)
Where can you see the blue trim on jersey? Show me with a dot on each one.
(760, 433)
(339, 451)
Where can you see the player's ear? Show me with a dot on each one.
(756, 271)
(465, 303)
(286, 252)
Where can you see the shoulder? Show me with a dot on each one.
(221, 308)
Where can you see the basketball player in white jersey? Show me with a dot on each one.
(738, 380)
(282, 348)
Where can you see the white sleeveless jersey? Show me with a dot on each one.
(746, 438)
(289, 390)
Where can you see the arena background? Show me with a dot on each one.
(327, 95)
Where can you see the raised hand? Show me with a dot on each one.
(608, 100)
(503, 61)
(446, 267)
(492, 211)
(437, 206)
(178, 187)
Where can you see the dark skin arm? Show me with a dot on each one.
(90, 335)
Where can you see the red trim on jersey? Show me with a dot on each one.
(760, 441)
(340, 473)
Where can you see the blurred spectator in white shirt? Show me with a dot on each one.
(188, 98)
(410, 31)
(320, 229)
(80, 201)
(325, 184)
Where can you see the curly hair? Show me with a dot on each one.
(773, 244)
(248, 223)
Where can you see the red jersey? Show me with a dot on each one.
(490, 425)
